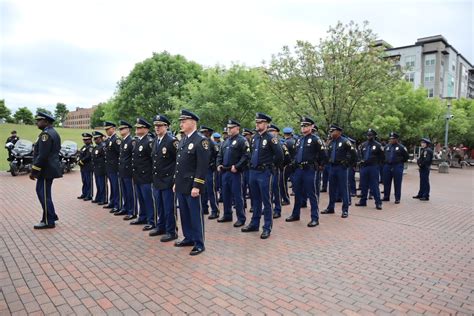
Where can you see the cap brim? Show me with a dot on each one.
(107, 127)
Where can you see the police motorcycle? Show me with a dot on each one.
(68, 155)
(22, 156)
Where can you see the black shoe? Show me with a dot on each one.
(276, 215)
(265, 234)
(137, 222)
(345, 214)
(108, 206)
(94, 201)
(251, 210)
(424, 199)
(359, 195)
(378, 206)
(184, 243)
(129, 217)
(224, 220)
(292, 218)
(148, 227)
(313, 223)
(120, 213)
(371, 198)
(101, 203)
(156, 232)
(239, 224)
(213, 216)
(248, 229)
(87, 198)
(386, 199)
(360, 204)
(284, 203)
(196, 251)
(417, 197)
(169, 237)
(327, 211)
(397, 201)
(304, 206)
(206, 212)
(43, 226)
(80, 197)
(323, 190)
(114, 210)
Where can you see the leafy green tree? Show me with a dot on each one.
(24, 116)
(97, 117)
(5, 112)
(60, 113)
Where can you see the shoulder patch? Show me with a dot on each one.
(44, 137)
(205, 144)
(90, 149)
(247, 143)
(275, 140)
(175, 143)
(118, 141)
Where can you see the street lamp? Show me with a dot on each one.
(444, 166)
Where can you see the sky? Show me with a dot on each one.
(75, 52)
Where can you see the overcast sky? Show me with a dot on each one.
(75, 51)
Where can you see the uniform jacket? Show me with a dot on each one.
(98, 159)
(112, 152)
(141, 160)
(395, 154)
(46, 155)
(164, 161)
(313, 150)
(268, 149)
(426, 158)
(237, 150)
(341, 152)
(371, 153)
(85, 157)
(125, 157)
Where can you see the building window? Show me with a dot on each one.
(410, 61)
(430, 92)
(410, 77)
(429, 76)
(430, 60)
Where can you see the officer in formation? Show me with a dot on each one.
(247, 133)
(46, 168)
(395, 156)
(290, 144)
(112, 152)
(13, 138)
(85, 163)
(231, 163)
(209, 197)
(424, 164)
(371, 157)
(100, 171)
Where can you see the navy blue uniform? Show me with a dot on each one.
(371, 157)
(395, 156)
(209, 197)
(341, 155)
(266, 154)
(127, 187)
(46, 168)
(143, 178)
(112, 152)
(100, 173)
(234, 152)
(287, 173)
(85, 163)
(192, 164)
(424, 164)
(164, 163)
(277, 189)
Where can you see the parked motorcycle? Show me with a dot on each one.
(68, 155)
(22, 156)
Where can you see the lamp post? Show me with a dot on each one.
(444, 166)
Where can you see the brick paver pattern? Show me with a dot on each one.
(411, 258)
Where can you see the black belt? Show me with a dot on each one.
(305, 165)
(262, 167)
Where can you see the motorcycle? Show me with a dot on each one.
(22, 156)
(68, 155)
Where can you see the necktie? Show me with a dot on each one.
(333, 153)
(227, 153)
(367, 152)
(254, 159)
(392, 153)
(299, 156)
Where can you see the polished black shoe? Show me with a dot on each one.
(327, 211)
(94, 201)
(129, 217)
(276, 215)
(284, 203)
(371, 198)
(360, 204)
(148, 227)
(137, 222)
(386, 199)
(43, 226)
(249, 228)
(206, 212)
(417, 197)
(114, 210)
(345, 215)
(213, 216)
(397, 201)
(108, 206)
(313, 223)
(169, 237)
(265, 234)
(196, 251)
(184, 243)
(424, 199)
(378, 206)
(80, 197)
(292, 218)
(156, 232)
(101, 203)
(87, 198)
(120, 213)
(239, 224)
(224, 220)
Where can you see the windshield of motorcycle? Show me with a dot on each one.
(69, 147)
(23, 147)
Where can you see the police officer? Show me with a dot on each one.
(266, 153)
(327, 167)
(424, 163)
(46, 167)
(341, 155)
(192, 164)
(128, 199)
(85, 163)
(142, 174)
(100, 172)
(209, 196)
(289, 142)
(112, 152)
(395, 156)
(247, 133)
(13, 138)
(351, 182)
(309, 157)
(217, 139)
(231, 163)
(371, 156)
(164, 162)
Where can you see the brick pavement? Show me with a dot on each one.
(411, 258)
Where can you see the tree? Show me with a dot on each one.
(96, 118)
(151, 85)
(24, 116)
(60, 113)
(39, 109)
(5, 112)
(330, 80)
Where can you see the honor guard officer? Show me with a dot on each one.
(142, 174)
(191, 167)
(231, 163)
(85, 163)
(100, 173)
(310, 156)
(112, 152)
(128, 204)
(371, 156)
(341, 155)
(164, 162)
(266, 153)
(247, 133)
(209, 196)
(290, 143)
(424, 164)
(46, 167)
(277, 172)
(395, 156)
